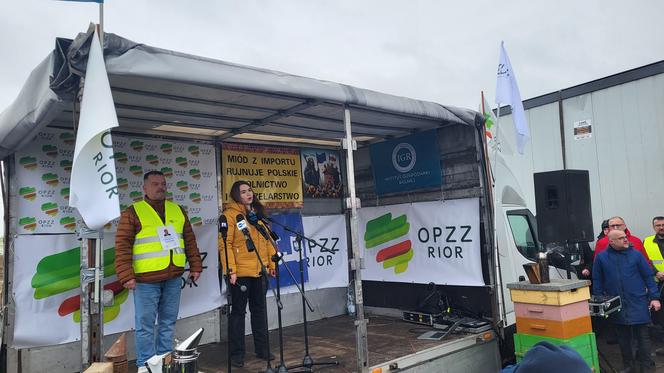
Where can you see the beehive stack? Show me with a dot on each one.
(557, 312)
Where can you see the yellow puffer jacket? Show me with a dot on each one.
(242, 262)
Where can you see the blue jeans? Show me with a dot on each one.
(156, 301)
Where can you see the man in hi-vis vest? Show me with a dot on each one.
(654, 246)
(154, 240)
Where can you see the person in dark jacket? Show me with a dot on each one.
(622, 271)
(585, 267)
(604, 229)
(545, 357)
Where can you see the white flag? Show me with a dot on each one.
(507, 92)
(94, 187)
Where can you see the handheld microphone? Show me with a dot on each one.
(242, 226)
(223, 226)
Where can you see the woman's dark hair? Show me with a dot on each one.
(255, 203)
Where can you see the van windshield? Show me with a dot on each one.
(523, 235)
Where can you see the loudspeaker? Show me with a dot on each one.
(564, 213)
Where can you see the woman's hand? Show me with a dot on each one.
(272, 272)
(233, 279)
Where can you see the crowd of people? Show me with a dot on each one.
(621, 265)
(627, 266)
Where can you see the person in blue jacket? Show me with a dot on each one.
(623, 271)
(545, 357)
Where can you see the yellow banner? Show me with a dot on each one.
(274, 173)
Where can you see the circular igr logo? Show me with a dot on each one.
(404, 157)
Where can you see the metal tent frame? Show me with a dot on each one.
(161, 92)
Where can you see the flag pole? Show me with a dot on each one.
(101, 25)
(494, 210)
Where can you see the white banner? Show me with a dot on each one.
(46, 287)
(328, 260)
(94, 188)
(326, 267)
(43, 170)
(422, 242)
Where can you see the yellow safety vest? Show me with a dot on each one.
(655, 256)
(148, 254)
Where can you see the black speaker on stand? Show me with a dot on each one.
(564, 212)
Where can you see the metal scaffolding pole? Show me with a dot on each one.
(356, 262)
(92, 309)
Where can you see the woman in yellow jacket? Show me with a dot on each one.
(247, 284)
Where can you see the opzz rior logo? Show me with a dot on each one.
(387, 234)
(404, 157)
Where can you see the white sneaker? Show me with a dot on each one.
(142, 370)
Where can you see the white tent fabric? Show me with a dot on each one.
(154, 87)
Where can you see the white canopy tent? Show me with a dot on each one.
(162, 92)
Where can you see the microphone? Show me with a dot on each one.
(254, 220)
(223, 226)
(252, 217)
(242, 226)
(274, 236)
(266, 219)
(261, 230)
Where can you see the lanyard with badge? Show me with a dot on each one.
(168, 237)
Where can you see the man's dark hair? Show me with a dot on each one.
(151, 173)
(657, 218)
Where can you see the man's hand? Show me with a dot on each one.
(194, 276)
(233, 279)
(660, 276)
(272, 272)
(585, 272)
(655, 305)
(130, 284)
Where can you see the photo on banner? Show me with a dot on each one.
(321, 173)
(274, 173)
(407, 163)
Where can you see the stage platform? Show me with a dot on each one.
(389, 338)
(329, 339)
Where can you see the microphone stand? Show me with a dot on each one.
(276, 258)
(264, 274)
(224, 234)
(282, 365)
(307, 361)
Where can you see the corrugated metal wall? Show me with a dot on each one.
(624, 155)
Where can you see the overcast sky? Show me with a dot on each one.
(442, 51)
